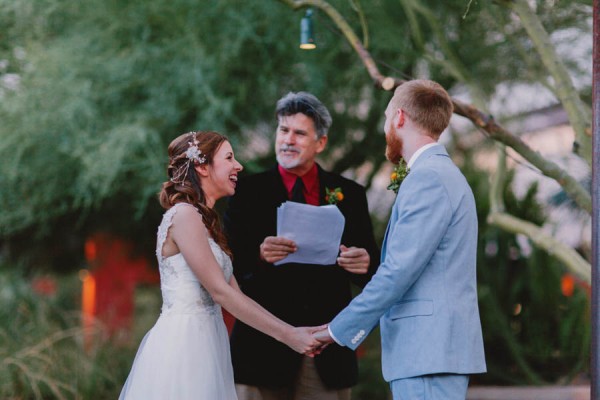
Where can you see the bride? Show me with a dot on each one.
(186, 354)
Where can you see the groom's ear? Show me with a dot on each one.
(401, 118)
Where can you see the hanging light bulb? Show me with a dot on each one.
(307, 40)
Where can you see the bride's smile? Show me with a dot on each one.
(219, 178)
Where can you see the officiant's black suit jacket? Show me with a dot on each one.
(300, 294)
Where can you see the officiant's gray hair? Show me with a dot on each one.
(307, 104)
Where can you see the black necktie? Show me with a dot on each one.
(298, 191)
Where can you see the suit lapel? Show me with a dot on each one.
(387, 230)
(326, 180)
(276, 188)
(433, 150)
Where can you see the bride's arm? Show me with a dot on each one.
(190, 235)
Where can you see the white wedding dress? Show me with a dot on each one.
(186, 354)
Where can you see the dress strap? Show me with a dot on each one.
(164, 226)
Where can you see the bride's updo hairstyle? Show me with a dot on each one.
(186, 152)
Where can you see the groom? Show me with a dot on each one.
(424, 294)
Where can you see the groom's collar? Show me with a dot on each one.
(417, 153)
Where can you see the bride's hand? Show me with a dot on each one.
(301, 340)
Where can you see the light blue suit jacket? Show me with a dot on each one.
(424, 294)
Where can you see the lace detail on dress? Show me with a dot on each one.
(181, 290)
(163, 228)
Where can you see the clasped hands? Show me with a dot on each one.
(353, 259)
(310, 341)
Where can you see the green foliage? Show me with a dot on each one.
(105, 85)
(533, 333)
(41, 343)
(370, 385)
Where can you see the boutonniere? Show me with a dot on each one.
(397, 176)
(333, 196)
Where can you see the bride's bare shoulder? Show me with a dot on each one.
(187, 217)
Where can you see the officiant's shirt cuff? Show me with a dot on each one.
(333, 337)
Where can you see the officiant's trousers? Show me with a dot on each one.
(308, 387)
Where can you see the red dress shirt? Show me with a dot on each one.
(310, 181)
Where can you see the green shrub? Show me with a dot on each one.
(533, 333)
(42, 352)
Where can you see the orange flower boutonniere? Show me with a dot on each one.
(397, 176)
(333, 196)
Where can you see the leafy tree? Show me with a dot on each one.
(534, 332)
(104, 86)
(530, 327)
(91, 93)
(461, 43)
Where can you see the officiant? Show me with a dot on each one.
(300, 294)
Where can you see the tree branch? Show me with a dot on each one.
(363, 22)
(571, 258)
(481, 120)
(579, 114)
(451, 63)
(486, 122)
(496, 197)
(572, 187)
(347, 31)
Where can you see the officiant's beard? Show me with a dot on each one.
(288, 164)
(393, 150)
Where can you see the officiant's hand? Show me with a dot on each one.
(354, 259)
(275, 248)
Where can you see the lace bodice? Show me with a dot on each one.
(181, 291)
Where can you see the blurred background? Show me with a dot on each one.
(91, 94)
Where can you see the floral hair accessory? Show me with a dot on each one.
(397, 176)
(194, 155)
(334, 196)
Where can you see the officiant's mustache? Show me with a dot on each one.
(287, 147)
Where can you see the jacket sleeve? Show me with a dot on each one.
(241, 230)
(424, 213)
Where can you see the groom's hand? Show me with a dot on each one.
(354, 259)
(275, 248)
(321, 335)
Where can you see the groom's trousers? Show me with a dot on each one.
(431, 387)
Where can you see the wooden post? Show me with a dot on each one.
(595, 350)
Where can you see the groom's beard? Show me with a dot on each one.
(393, 150)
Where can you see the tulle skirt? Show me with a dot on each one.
(183, 357)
